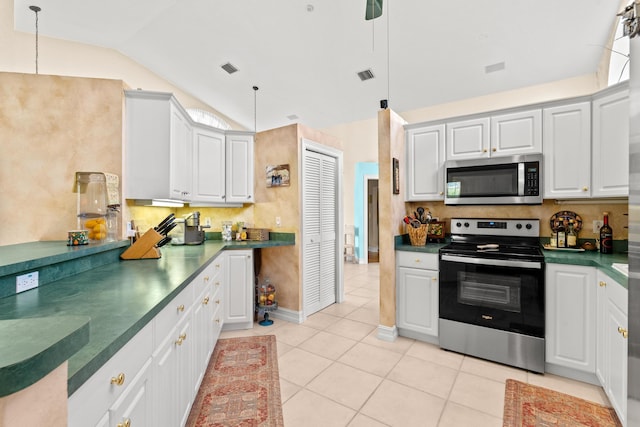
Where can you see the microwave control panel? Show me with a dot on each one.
(532, 179)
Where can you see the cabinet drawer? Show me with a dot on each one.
(99, 392)
(173, 313)
(616, 293)
(417, 260)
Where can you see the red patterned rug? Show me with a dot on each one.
(526, 405)
(241, 386)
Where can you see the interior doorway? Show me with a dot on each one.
(372, 221)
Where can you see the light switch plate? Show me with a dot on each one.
(597, 223)
(26, 282)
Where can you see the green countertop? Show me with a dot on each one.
(119, 298)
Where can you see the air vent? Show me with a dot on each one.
(229, 68)
(494, 67)
(293, 117)
(366, 75)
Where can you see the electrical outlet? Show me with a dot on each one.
(26, 282)
(597, 223)
(278, 223)
(207, 222)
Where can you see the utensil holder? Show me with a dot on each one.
(144, 247)
(418, 236)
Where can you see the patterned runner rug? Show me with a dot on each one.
(526, 405)
(241, 386)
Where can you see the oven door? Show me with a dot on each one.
(495, 293)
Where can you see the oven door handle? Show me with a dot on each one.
(490, 261)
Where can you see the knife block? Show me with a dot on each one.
(144, 247)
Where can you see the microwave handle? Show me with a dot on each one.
(521, 178)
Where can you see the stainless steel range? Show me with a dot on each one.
(492, 291)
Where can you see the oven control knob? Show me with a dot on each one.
(466, 224)
(518, 226)
(528, 226)
(458, 225)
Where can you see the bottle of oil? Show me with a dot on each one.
(606, 236)
(572, 236)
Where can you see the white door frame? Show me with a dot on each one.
(365, 219)
(308, 145)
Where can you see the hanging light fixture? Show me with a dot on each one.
(36, 9)
(255, 108)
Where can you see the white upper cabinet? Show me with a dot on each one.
(610, 149)
(239, 167)
(516, 133)
(157, 147)
(567, 158)
(209, 165)
(468, 139)
(425, 157)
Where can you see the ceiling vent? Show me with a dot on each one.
(494, 67)
(229, 68)
(293, 117)
(366, 74)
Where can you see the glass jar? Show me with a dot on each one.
(92, 204)
(226, 231)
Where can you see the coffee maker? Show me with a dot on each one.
(193, 233)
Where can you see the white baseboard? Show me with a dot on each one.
(387, 333)
(288, 315)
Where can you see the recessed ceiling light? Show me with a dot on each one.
(498, 66)
(229, 68)
(310, 8)
(366, 74)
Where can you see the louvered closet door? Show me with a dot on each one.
(319, 224)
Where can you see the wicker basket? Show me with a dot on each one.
(257, 234)
(418, 236)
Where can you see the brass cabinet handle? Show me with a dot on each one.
(434, 278)
(602, 284)
(181, 339)
(126, 423)
(206, 301)
(585, 188)
(181, 307)
(217, 283)
(217, 265)
(484, 150)
(206, 278)
(441, 193)
(417, 260)
(217, 301)
(494, 150)
(119, 380)
(623, 331)
(217, 320)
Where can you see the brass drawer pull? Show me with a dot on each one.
(126, 423)
(623, 331)
(602, 284)
(119, 380)
(206, 301)
(181, 339)
(181, 307)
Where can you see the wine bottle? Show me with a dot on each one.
(606, 236)
(562, 236)
(572, 236)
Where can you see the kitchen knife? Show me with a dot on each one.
(163, 242)
(167, 228)
(164, 222)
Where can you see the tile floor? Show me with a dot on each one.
(334, 372)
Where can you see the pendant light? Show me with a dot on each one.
(36, 9)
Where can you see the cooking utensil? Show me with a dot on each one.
(420, 211)
(412, 222)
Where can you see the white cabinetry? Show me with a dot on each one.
(516, 133)
(238, 290)
(119, 390)
(612, 342)
(567, 159)
(208, 165)
(610, 144)
(239, 167)
(417, 295)
(468, 139)
(157, 147)
(425, 148)
(570, 318)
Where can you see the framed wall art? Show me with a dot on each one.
(277, 176)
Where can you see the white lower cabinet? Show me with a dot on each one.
(570, 318)
(613, 343)
(239, 289)
(153, 380)
(417, 295)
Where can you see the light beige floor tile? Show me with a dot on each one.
(398, 405)
(300, 367)
(355, 300)
(435, 354)
(363, 421)
(479, 393)
(288, 389)
(493, 371)
(365, 315)
(351, 329)
(340, 310)
(293, 334)
(455, 415)
(400, 345)
(328, 345)
(321, 320)
(309, 409)
(425, 376)
(283, 348)
(367, 293)
(375, 360)
(346, 385)
(575, 388)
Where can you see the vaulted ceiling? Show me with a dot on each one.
(305, 56)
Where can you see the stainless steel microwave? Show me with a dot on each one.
(513, 180)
